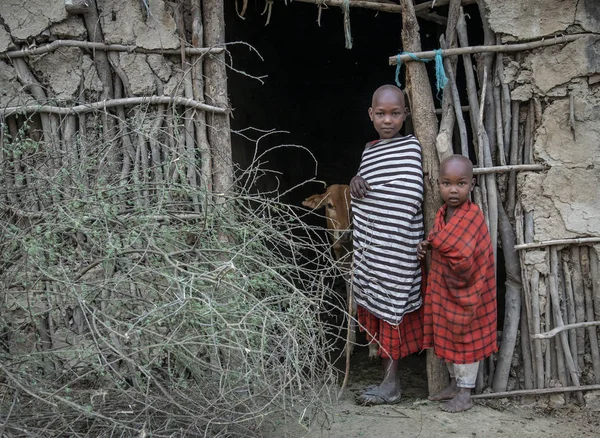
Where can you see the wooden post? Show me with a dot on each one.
(426, 128)
(512, 303)
(198, 88)
(215, 90)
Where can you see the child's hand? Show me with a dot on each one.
(359, 187)
(422, 248)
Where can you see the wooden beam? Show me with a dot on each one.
(543, 391)
(422, 9)
(54, 45)
(574, 241)
(563, 39)
(510, 168)
(557, 330)
(111, 103)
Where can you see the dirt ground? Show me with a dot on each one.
(416, 417)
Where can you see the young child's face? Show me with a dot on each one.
(388, 113)
(456, 182)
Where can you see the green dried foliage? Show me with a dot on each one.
(129, 310)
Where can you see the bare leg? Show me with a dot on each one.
(389, 390)
(390, 386)
(448, 393)
(461, 402)
(373, 350)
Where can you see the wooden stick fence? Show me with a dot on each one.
(54, 45)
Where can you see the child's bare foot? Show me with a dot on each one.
(448, 393)
(461, 402)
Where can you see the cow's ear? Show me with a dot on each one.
(314, 201)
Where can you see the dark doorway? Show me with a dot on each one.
(314, 88)
(318, 92)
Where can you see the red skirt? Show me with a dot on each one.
(395, 341)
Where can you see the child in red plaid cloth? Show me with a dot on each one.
(460, 298)
(387, 194)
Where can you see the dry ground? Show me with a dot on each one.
(417, 417)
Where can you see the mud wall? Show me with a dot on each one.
(70, 74)
(563, 81)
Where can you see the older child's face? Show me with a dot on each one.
(388, 113)
(456, 182)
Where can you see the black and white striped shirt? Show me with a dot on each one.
(388, 225)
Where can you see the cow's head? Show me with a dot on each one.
(336, 201)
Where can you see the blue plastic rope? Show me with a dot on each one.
(440, 75)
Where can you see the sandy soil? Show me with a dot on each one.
(417, 417)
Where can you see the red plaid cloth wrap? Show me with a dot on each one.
(395, 341)
(460, 298)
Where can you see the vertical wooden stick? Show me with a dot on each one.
(486, 63)
(589, 310)
(198, 88)
(570, 301)
(550, 358)
(526, 350)
(189, 122)
(562, 371)
(461, 29)
(506, 104)
(514, 151)
(6, 162)
(498, 110)
(559, 321)
(458, 113)
(537, 343)
(480, 382)
(444, 137)
(560, 351)
(512, 303)
(219, 132)
(579, 294)
(595, 274)
(491, 371)
(526, 320)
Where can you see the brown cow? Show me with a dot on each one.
(336, 201)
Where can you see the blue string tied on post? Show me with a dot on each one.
(440, 75)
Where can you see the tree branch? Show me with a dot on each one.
(110, 103)
(54, 45)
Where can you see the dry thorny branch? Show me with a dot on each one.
(124, 310)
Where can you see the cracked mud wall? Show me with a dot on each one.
(69, 72)
(564, 82)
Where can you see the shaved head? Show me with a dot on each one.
(463, 163)
(384, 90)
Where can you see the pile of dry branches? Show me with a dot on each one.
(144, 305)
